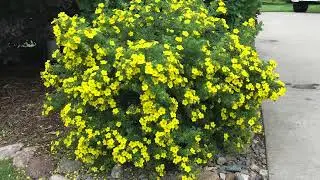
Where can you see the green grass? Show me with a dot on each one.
(7, 171)
(287, 7)
(276, 8)
(274, 1)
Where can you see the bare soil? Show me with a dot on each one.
(21, 99)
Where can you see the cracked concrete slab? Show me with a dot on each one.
(292, 135)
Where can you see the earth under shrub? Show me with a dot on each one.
(157, 84)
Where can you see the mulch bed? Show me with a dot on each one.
(21, 100)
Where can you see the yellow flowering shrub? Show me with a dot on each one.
(155, 84)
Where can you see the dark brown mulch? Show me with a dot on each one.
(21, 100)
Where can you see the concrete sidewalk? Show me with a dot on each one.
(292, 125)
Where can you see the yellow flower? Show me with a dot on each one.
(252, 22)
(196, 33)
(112, 43)
(226, 136)
(174, 149)
(198, 138)
(240, 121)
(157, 156)
(192, 151)
(179, 47)
(79, 110)
(90, 33)
(178, 39)
(116, 29)
(185, 33)
(187, 169)
(101, 5)
(222, 10)
(98, 11)
(187, 21)
(251, 122)
(118, 124)
(199, 161)
(115, 111)
(77, 39)
(145, 87)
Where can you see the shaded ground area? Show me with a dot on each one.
(21, 95)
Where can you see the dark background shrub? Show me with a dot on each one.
(28, 21)
(239, 10)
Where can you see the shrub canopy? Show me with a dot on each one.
(238, 11)
(157, 84)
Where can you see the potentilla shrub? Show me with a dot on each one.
(156, 84)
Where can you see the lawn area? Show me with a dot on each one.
(287, 7)
(7, 171)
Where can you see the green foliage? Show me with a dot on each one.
(157, 84)
(240, 10)
(87, 7)
(8, 172)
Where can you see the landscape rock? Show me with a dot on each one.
(233, 168)
(39, 167)
(22, 158)
(254, 167)
(86, 177)
(255, 177)
(255, 141)
(245, 171)
(248, 162)
(230, 176)
(57, 177)
(263, 173)
(221, 160)
(209, 175)
(222, 176)
(9, 151)
(171, 176)
(240, 176)
(117, 172)
(68, 166)
(142, 177)
(230, 158)
(210, 168)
